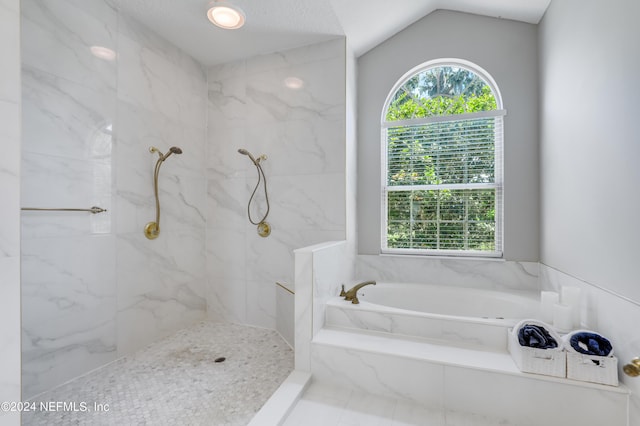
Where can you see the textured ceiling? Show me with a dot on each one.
(274, 25)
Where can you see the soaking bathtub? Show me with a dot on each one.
(452, 315)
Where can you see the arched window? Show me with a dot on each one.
(442, 139)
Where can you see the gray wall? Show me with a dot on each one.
(589, 62)
(505, 49)
(589, 65)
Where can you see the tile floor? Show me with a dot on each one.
(176, 382)
(325, 405)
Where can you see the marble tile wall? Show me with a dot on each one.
(475, 273)
(161, 102)
(68, 259)
(93, 287)
(10, 207)
(285, 314)
(319, 271)
(614, 316)
(302, 132)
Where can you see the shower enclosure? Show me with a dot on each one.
(93, 287)
(98, 89)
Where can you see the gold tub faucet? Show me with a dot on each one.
(352, 294)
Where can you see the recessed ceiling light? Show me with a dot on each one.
(103, 53)
(225, 15)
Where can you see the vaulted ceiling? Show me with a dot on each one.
(274, 25)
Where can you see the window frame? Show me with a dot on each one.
(499, 113)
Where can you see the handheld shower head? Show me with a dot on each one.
(264, 229)
(247, 153)
(172, 150)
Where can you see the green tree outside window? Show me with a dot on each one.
(441, 191)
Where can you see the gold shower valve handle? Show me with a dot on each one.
(151, 230)
(633, 368)
(264, 229)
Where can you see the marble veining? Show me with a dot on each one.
(10, 47)
(66, 119)
(93, 287)
(10, 135)
(9, 180)
(459, 380)
(478, 273)
(454, 371)
(57, 36)
(323, 404)
(165, 87)
(302, 134)
(69, 308)
(134, 30)
(596, 314)
(176, 381)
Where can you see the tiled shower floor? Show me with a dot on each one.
(176, 382)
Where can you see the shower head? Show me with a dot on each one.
(172, 150)
(245, 152)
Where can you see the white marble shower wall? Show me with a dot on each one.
(161, 102)
(320, 269)
(10, 210)
(302, 132)
(474, 273)
(93, 287)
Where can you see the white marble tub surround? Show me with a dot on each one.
(452, 315)
(609, 314)
(490, 274)
(463, 380)
(400, 360)
(453, 301)
(324, 404)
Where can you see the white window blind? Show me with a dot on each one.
(442, 191)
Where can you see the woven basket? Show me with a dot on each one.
(590, 368)
(549, 362)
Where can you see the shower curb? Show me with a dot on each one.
(275, 411)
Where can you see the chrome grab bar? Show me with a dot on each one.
(93, 209)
